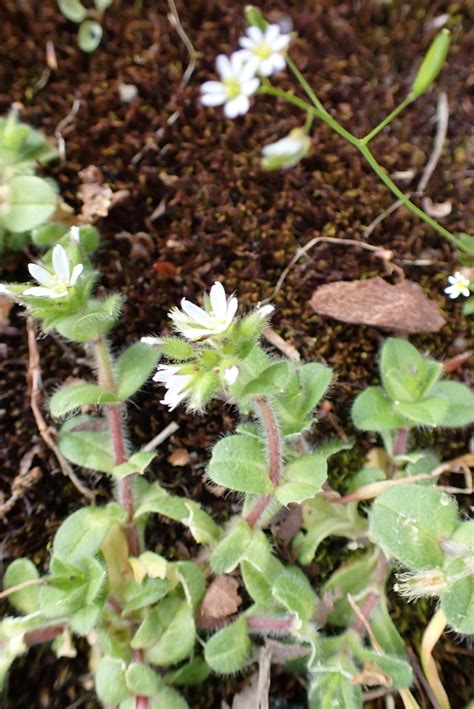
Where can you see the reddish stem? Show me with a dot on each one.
(113, 412)
(272, 435)
(273, 439)
(279, 626)
(43, 635)
(141, 702)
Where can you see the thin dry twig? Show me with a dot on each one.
(161, 437)
(382, 253)
(280, 344)
(174, 19)
(27, 477)
(63, 123)
(47, 433)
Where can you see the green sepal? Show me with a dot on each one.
(175, 348)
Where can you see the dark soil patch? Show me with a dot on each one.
(222, 217)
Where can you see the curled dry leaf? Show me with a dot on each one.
(400, 308)
(438, 210)
(221, 599)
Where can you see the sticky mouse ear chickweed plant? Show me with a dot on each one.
(265, 52)
(148, 618)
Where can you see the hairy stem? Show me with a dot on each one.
(272, 434)
(113, 412)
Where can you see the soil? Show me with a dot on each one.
(201, 209)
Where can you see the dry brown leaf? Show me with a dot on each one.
(372, 676)
(402, 307)
(179, 457)
(221, 599)
(96, 195)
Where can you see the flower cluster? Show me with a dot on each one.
(262, 53)
(208, 328)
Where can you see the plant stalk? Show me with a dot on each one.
(320, 112)
(106, 380)
(272, 435)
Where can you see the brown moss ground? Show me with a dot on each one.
(224, 218)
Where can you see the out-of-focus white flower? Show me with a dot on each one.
(459, 285)
(264, 49)
(177, 384)
(74, 233)
(152, 341)
(238, 82)
(288, 151)
(215, 318)
(265, 310)
(55, 283)
(5, 290)
(231, 374)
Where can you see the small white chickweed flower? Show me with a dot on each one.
(459, 285)
(264, 49)
(231, 374)
(286, 152)
(177, 385)
(55, 283)
(215, 318)
(238, 82)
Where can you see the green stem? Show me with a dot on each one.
(375, 131)
(320, 112)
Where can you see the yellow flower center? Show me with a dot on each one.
(232, 88)
(263, 51)
(59, 284)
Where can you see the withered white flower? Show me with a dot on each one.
(215, 318)
(286, 152)
(238, 82)
(55, 283)
(265, 310)
(459, 285)
(177, 385)
(264, 49)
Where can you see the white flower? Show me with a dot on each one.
(238, 82)
(54, 284)
(215, 318)
(265, 310)
(459, 286)
(177, 384)
(287, 151)
(74, 233)
(231, 374)
(265, 49)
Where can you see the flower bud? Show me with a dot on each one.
(253, 16)
(431, 64)
(286, 152)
